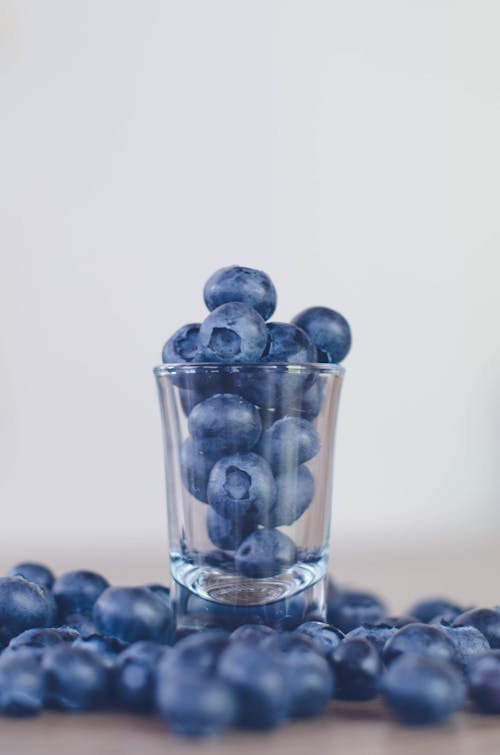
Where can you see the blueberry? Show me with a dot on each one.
(234, 333)
(161, 591)
(487, 620)
(312, 400)
(107, 648)
(182, 346)
(376, 634)
(328, 330)
(484, 682)
(469, 642)
(82, 623)
(357, 668)
(260, 681)
(241, 485)
(77, 591)
(289, 442)
(22, 685)
(77, 679)
(423, 639)
(196, 706)
(294, 493)
(40, 639)
(135, 675)
(264, 553)
(23, 605)
(134, 613)
(228, 533)
(289, 344)
(311, 682)
(325, 637)
(33, 572)
(348, 609)
(426, 610)
(196, 465)
(224, 424)
(241, 284)
(252, 634)
(197, 653)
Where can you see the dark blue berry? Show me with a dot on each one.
(107, 648)
(196, 464)
(82, 623)
(224, 424)
(241, 284)
(252, 634)
(182, 346)
(260, 681)
(77, 591)
(325, 637)
(376, 634)
(469, 642)
(289, 442)
(484, 682)
(294, 493)
(40, 639)
(135, 675)
(288, 344)
(130, 614)
(77, 679)
(234, 333)
(348, 609)
(23, 605)
(328, 330)
(487, 620)
(228, 533)
(357, 668)
(197, 653)
(312, 400)
(161, 592)
(423, 639)
(426, 610)
(22, 685)
(33, 572)
(241, 485)
(196, 706)
(422, 690)
(264, 553)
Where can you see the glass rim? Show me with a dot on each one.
(322, 368)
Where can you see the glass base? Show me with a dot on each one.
(209, 597)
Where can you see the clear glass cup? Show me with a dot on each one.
(232, 470)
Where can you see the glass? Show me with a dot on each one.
(227, 575)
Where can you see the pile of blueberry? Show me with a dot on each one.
(74, 643)
(250, 435)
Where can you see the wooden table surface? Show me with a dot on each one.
(468, 575)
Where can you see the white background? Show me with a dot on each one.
(350, 149)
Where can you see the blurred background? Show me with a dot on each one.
(351, 150)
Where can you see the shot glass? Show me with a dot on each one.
(248, 453)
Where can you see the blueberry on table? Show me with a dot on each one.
(82, 623)
(426, 610)
(357, 668)
(130, 614)
(77, 679)
(196, 463)
(228, 533)
(328, 330)
(484, 682)
(197, 653)
(288, 343)
(487, 620)
(294, 493)
(33, 572)
(182, 346)
(261, 682)
(40, 639)
(348, 609)
(22, 685)
(289, 442)
(196, 706)
(161, 591)
(135, 675)
(234, 333)
(423, 639)
(224, 424)
(376, 634)
(264, 553)
(77, 591)
(107, 648)
(325, 637)
(252, 634)
(241, 485)
(469, 642)
(23, 605)
(241, 284)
